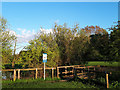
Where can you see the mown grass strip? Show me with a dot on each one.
(102, 63)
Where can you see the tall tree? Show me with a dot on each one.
(115, 43)
(43, 43)
(64, 37)
(80, 46)
(99, 41)
(6, 42)
(99, 46)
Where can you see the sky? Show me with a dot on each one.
(60, 0)
(26, 18)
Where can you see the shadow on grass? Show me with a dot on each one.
(87, 81)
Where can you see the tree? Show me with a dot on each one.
(80, 46)
(6, 42)
(51, 48)
(67, 46)
(114, 47)
(99, 46)
(99, 42)
(43, 43)
(63, 37)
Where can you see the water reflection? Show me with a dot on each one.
(6, 75)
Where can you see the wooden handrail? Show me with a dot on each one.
(27, 69)
(64, 66)
(52, 68)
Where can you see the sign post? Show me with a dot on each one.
(44, 61)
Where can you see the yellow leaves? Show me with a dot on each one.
(89, 30)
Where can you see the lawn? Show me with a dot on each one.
(40, 83)
(102, 63)
(43, 84)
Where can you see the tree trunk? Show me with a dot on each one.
(13, 62)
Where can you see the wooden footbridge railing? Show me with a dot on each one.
(81, 71)
(66, 72)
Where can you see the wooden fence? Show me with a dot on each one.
(66, 72)
(80, 70)
(29, 69)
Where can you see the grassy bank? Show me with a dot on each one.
(102, 63)
(40, 83)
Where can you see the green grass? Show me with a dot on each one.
(40, 83)
(47, 85)
(31, 80)
(43, 84)
(102, 63)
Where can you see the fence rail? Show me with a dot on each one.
(81, 71)
(58, 72)
(47, 68)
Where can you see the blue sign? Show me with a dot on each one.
(44, 57)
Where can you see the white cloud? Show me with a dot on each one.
(33, 31)
(19, 29)
(46, 30)
(23, 31)
(26, 35)
(11, 32)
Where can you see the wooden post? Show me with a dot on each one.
(107, 81)
(18, 73)
(88, 73)
(94, 71)
(40, 74)
(88, 68)
(14, 74)
(73, 70)
(94, 68)
(57, 72)
(36, 73)
(65, 69)
(98, 65)
(82, 73)
(52, 73)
